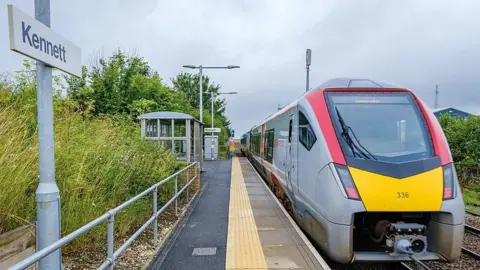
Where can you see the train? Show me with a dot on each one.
(365, 170)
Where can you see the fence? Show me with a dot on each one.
(468, 173)
(109, 217)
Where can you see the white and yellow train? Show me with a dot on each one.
(365, 170)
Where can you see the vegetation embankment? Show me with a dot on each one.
(100, 158)
(463, 136)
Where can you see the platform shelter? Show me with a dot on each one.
(181, 133)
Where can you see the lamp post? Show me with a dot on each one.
(308, 62)
(201, 68)
(212, 98)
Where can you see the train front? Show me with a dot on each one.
(396, 161)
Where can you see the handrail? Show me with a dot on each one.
(109, 216)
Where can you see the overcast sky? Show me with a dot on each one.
(415, 44)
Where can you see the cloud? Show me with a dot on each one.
(417, 44)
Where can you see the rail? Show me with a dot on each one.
(109, 217)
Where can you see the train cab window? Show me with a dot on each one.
(385, 126)
(306, 136)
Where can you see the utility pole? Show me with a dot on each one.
(308, 62)
(436, 96)
(212, 97)
(201, 68)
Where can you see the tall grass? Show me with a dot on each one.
(100, 163)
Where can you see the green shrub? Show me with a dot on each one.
(100, 163)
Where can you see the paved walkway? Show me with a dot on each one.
(237, 223)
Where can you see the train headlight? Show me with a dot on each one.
(448, 182)
(347, 182)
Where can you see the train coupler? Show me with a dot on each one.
(406, 239)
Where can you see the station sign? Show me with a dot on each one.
(34, 39)
(214, 130)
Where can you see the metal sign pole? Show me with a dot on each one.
(47, 195)
(200, 71)
(213, 147)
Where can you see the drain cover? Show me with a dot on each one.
(204, 251)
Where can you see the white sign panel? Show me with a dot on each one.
(34, 39)
(211, 130)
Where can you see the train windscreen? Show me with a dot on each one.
(383, 126)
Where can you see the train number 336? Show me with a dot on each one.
(402, 195)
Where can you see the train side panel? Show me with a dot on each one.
(321, 202)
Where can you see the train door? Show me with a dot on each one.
(291, 158)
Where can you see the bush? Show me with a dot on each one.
(100, 163)
(463, 136)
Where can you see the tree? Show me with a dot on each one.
(189, 84)
(124, 85)
(463, 136)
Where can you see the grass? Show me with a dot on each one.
(471, 194)
(471, 199)
(99, 163)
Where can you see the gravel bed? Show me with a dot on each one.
(366, 266)
(472, 242)
(472, 220)
(465, 262)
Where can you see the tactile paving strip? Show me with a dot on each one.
(244, 248)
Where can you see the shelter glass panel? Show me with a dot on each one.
(166, 144)
(181, 147)
(180, 129)
(165, 128)
(151, 128)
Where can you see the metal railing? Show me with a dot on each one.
(109, 216)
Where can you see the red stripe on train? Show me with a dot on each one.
(319, 106)
(439, 141)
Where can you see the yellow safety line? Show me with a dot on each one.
(244, 249)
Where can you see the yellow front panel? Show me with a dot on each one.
(421, 192)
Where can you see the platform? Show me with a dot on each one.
(237, 223)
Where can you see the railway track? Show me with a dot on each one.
(472, 213)
(472, 239)
(416, 263)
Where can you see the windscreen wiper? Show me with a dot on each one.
(346, 136)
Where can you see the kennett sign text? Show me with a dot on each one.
(32, 38)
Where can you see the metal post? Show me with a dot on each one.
(308, 78)
(110, 231)
(155, 221)
(213, 147)
(188, 180)
(201, 92)
(308, 62)
(201, 104)
(47, 195)
(176, 197)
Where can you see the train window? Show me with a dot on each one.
(265, 145)
(306, 136)
(290, 131)
(256, 138)
(269, 137)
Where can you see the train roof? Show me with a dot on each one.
(355, 83)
